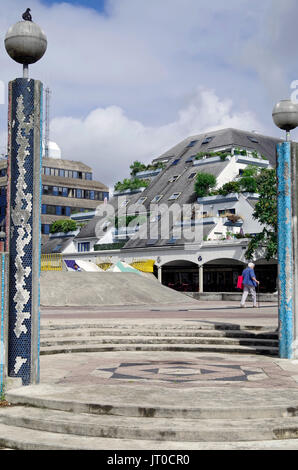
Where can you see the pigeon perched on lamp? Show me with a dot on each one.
(27, 15)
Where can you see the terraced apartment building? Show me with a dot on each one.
(214, 263)
(68, 187)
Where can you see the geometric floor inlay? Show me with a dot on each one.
(201, 371)
(180, 372)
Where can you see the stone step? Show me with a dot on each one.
(50, 326)
(157, 429)
(236, 349)
(157, 340)
(27, 439)
(121, 402)
(158, 333)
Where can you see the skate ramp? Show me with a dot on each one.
(61, 289)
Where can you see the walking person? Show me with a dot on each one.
(249, 285)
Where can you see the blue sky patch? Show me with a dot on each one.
(98, 5)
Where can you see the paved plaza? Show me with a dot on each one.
(156, 399)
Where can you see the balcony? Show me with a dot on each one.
(232, 197)
(128, 192)
(148, 173)
(249, 160)
(210, 160)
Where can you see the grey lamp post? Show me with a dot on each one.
(25, 43)
(285, 116)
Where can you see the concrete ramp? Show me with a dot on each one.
(61, 289)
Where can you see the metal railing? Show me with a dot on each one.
(51, 262)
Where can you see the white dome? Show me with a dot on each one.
(54, 150)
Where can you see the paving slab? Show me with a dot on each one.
(163, 384)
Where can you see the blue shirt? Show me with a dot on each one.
(248, 274)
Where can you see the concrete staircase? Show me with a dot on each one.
(187, 337)
(122, 417)
(41, 421)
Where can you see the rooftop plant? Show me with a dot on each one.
(64, 226)
(132, 184)
(203, 183)
(138, 167)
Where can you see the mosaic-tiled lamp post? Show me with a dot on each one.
(26, 43)
(285, 116)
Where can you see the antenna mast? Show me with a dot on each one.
(47, 121)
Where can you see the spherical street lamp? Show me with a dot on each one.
(285, 116)
(26, 43)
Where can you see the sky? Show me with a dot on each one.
(132, 78)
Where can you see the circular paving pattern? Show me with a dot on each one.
(199, 371)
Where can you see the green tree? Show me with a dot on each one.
(266, 214)
(204, 182)
(64, 226)
(228, 188)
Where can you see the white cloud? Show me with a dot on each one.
(109, 141)
(134, 82)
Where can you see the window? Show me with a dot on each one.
(174, 196)
(226, 211)
(156, 199)
(173, 178)
(172, 241)
(252, 139)
(62, 173)
(45, 229)
(84, 246)
(47, 171)
(141, 200)
(55, 191)
(151, 241)
(192, 143)
(156, 218)
(65, 211)
(175, 162)
(51, 210)
(207, 140)
(191, 176)
(3, 172)
(88, 176)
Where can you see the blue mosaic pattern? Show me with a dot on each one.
(285, 251)
(22, 105)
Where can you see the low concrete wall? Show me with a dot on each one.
(229, 296)
(93, 289)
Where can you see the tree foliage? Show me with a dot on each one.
(64, 226)
(266, 214)
(204, 182)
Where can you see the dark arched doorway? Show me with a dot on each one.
(181, 275)
(221, 275)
